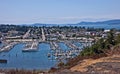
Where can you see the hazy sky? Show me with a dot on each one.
(57, 11)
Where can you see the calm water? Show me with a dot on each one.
(78, 44)
(63, 46)
(28, 60)
(1, 44)
(31, 60)
(105, 26)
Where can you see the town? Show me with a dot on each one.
(10, 35)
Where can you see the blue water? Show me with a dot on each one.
(31, 60)
(1, 44)
(28, 60)
(78, 44)
(105, 26)
(63, 46)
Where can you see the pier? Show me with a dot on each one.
(31, 47)
(8, 47)
(59, 54)
(69, 44)
(54, 45)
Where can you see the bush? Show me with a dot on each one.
(61, 64)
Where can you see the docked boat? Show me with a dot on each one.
(49, 55)
(3, 61)
(29, 50)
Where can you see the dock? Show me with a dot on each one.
(59, 54)
(8, 47)
(71, 45)
(73, 51)
(54, 45)
(31, 46)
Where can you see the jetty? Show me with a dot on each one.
(31, 46)
(8, 47)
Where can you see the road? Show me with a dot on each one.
(26, 34)
(43, 35)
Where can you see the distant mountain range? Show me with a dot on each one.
(108, 22)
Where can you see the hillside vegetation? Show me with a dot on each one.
(101, 48)
(101, 58)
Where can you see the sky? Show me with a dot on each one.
(57, 11)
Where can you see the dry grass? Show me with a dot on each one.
(82, 67)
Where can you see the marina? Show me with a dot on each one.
(70, 51)
(42, 47)
(40, 57)
(30, 61)
(59, 37)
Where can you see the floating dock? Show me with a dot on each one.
(54, 45)
(3, 61)
(31, 47)
(69, 44)
(69, 53)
